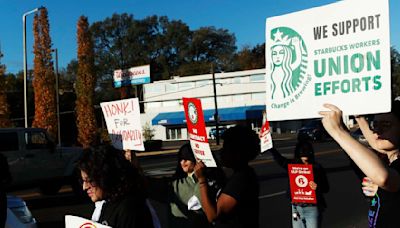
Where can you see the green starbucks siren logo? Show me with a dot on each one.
(288, 62)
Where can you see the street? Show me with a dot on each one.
(346, 205)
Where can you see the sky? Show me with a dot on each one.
(244, 18)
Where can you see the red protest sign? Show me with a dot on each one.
(197, 131)
(300, 176)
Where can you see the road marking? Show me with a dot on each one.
(272, 195)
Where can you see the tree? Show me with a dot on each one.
(44, 77)
(250, 58)
(395, 65)
(4, 107)
(85, 83)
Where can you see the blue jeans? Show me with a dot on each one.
(306, 217)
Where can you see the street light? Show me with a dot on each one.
(25, 62)
(57, 99)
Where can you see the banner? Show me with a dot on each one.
(265, 137)
(197, 131)
(123, 123)
(316, 56)
(78, 222)
(132, 76)
(300, 176)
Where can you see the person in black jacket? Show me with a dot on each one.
(107, 176)
(5, 178)
(306, 215)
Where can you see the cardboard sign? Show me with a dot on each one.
(316, 56)
(300, 176)
(197, 131)
(123, 123)
(132, 76)
(265, 137)
(78, 222)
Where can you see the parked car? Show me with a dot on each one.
(358, 135)
(213, 132)
(18, 214)
(35, 161)
(313, 130)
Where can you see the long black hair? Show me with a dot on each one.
(108, 170)
(304, 148)
(185, 152)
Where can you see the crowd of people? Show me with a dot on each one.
(199, 196)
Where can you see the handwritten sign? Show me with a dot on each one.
(265, 137)
(78, 222)
(123, 123)
(316, 56)
(197, 131)
(300, 176)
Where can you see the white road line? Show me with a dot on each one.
(272, 195)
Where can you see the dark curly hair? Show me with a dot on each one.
(241, 145)
(108, 169)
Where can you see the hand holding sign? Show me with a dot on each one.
(265, 137)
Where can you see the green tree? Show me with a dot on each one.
(44, 77)
(250, 58)
(395, 65)
(85, 83)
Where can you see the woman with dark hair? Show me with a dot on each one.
(384, 138)
(107, 175)
(304, 214)
(237, 204)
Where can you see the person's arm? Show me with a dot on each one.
(281, 160)
(225, 203)
(364, 158)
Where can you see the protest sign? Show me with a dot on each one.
(78, 222)
(300, 176)
(123, 123)
(316, 56)
(265, 137)
(197, 131)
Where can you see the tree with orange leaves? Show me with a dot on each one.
(43, 76)
(85, 83)
(4, 107)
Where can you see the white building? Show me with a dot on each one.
(240, 99)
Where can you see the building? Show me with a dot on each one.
(240, 99)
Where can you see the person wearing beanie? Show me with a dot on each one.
(306, 215)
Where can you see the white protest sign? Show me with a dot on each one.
(265, 137)
(316, 56)
(123, 123)
(78, 222)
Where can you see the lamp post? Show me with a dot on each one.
(216, 117)
(57, 99)
(25, 63)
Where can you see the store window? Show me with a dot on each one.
(174, 133)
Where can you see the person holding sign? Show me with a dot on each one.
(107, 175)
(237, 205)
(182, 193)
(306, 214)
(384, 137)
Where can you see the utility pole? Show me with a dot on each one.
(216, 117)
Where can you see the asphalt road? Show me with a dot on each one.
(346, 205)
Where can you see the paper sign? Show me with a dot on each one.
(265, 137)
(123, 123)
(78, 222)
(300, 176)
(316, 56)
(197, 131)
